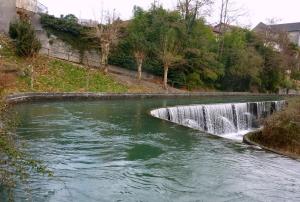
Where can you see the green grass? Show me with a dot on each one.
(52, 75)
(60, 76)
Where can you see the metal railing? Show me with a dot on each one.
(41, 8)
(70, 56)
(32, 6)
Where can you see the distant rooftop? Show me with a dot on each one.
(288, 27)
(222, 27)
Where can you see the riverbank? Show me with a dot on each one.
(44, 74)
(281, 132)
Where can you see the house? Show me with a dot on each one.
(11, 10)
(292, 29)
(221, 28)
(88, 22)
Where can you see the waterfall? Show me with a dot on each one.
(225, 120)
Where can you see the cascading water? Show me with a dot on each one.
(225, 120)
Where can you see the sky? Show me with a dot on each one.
(254, 11)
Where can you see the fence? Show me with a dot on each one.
(71, 56)
(90, 61)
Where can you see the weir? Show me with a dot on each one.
(231, 121)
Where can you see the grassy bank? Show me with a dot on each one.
(42, 74)
(282, 130)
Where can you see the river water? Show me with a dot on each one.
(115, 151)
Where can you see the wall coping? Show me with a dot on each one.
(46, 96)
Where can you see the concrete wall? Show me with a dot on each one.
(7, 14)
(54, 47)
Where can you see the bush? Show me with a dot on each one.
(27, 44)
(282, 130)
(296, 75)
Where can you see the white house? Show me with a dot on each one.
(293, 30)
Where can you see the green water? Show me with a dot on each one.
(115, 151)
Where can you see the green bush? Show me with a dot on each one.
(194, 81)
(26, 41)
(296, 75)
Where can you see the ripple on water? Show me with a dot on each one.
(115, 151)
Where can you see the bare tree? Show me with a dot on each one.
(107, 34)
(192, 9)
(139, 56)
(229, 13)
(222, 25)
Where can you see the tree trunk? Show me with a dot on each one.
(139, 64)
(166, 69)
(31, 77)
(104, 57)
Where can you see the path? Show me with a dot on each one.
(149, 83)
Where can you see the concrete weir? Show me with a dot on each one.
(230, 120)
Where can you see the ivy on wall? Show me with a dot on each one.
(67, 29)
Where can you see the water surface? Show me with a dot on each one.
(115, 151)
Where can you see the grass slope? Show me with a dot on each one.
(43, 74)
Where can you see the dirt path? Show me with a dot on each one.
(149, 83)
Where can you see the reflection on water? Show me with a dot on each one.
(115, 151)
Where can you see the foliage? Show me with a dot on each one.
(148, 30)
(242, 63)
(248, 62)
(296, 75)
(271, 74)
(26, 42)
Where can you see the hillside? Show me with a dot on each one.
(43, 74)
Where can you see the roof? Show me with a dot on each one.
(288, 27)
(222, 27)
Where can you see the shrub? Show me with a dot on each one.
(282, 130)
(296, 75)
(27, 44)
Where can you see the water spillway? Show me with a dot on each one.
(226, 120)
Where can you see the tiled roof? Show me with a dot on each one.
(288, 27)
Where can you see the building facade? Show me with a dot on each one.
(10, 10)
(292, 29)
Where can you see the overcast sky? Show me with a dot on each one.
(254, 10)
